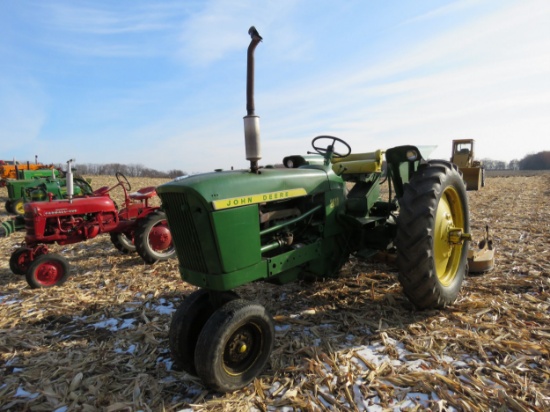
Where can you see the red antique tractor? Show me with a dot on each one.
(137, 226)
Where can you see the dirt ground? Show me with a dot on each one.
(99, 342)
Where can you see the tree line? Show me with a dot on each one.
(536, 161)
(129, 170)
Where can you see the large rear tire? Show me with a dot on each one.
(235, 345)
(432, 263)
(153, 239)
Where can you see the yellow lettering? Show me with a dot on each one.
(258, 198)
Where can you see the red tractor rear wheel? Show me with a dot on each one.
(123, 242)
(47, 271)
(153, 239)
(20, 260)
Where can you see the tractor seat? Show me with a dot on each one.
(144, 193)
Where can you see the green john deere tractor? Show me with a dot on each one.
(37, 188)
(280, 225)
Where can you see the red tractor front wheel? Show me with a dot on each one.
(20, 260)
(47, 271)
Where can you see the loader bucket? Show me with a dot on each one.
(472, 177)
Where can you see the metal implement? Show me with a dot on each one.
(482, 260)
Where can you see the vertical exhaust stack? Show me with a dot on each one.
(69, 180)
(251, 121)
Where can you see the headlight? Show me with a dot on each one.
(412, 155)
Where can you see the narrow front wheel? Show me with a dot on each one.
(235, 345)
(47, 271)
(187, 323)
(20, 260)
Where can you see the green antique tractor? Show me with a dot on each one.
(38, 187)
(15, 170)
(302, 222)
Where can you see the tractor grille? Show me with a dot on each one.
(29, 224)
(184, 231)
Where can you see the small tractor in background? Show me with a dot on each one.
(12, 169)
(37, 189)
(472, 170)
(137, 226)
(303, 222)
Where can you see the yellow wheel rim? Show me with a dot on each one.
(19, 207)
(447, 255)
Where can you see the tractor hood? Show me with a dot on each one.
(222, 190)
(78, 206)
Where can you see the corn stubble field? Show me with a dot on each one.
(100, 342)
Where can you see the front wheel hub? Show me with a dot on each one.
(48, 273)
(242, 350)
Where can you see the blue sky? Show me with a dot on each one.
(162, 83)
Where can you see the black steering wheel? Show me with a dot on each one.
(323, 150)
(123, 181)
(84, 185)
